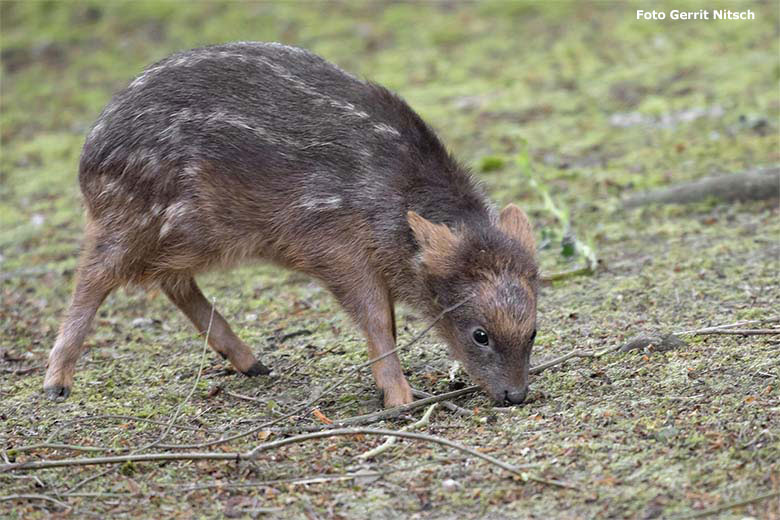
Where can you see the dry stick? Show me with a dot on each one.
(739, 332)
(729, 326)
(454, 408)
(242, 396)
(381, 415)
(391, 413)
(424, 421)
(516, 470)
(573, 354)
(80, 484)
(192, 390)
(254, 452)
(369, 418)
(169, 425)
(358, 420)
(89, 479)
(59, 446)
(299, 480)
(117, 417)
(48, 444)
(35, 497)
(311, 479)
(732, 505)
(400, 410)
(327, 389)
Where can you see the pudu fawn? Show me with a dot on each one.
(264, 151)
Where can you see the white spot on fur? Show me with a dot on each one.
(157, 209)
(191, 171)
(383, 128)
(320, 204)
(174, 215)
(304, 87)
(96, 130)
(296, 50)
(185, 60)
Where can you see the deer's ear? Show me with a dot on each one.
(514, 222)
(437, 242)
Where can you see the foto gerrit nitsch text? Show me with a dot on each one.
(701, 14)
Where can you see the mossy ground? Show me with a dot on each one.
(600, 105)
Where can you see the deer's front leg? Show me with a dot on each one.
(368, 301)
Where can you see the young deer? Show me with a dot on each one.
(264, 151)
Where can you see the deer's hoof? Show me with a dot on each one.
(57, 392)
(258, 369)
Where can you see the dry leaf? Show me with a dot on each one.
(321, 416)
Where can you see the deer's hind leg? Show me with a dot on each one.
(186, 294)
(93, 284)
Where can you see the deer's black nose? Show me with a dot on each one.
(515, 397)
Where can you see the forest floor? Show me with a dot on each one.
(591, 103)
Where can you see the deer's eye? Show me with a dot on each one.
(480, 337)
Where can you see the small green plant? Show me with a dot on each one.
(491, 163)
(572, 247)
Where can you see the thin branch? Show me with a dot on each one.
(738, 332)
(242, 396)
(297, 480)
(35, 497)
(22, 371)
(60, 446)
(192, 390)
(91, 418)
(756, 184)
(392, 413)
(149, 457)
(87, 480)
(350, 373)
(729, 326)
(424, 421)
(573, 354)
(253, 454)
(446, 404)
(516, 470)
(732, 505)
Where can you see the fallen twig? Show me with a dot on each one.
(22, 371)
(732, 505)
(391, 413)
(730, 326)
(516, 470)
(35, 497)
(350, 373)
(192, 390)
(752, 185)
(60, 446)
(290, 335)
(242, 396)
(573, 354)
(424, 421)
(48, 444)
(80, 484)
(254, 452)
(311, 479)
(738, 332)
(446, 404)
